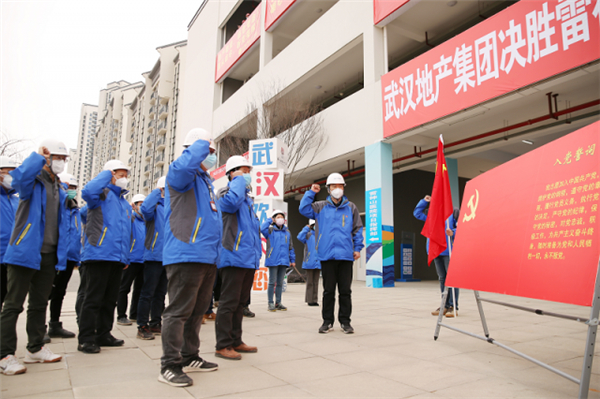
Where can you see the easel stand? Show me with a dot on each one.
(592, 323)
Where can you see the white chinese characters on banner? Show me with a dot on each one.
(268, 154)
(519, 43)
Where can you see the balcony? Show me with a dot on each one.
(130, 159)
(162, 127)
(160, 160)
(151, 125)
(160, 143)
(146, 182)
(153, 97)
(163, 111)
(149, 154)
(149, 141)
(158, 175)
(151, 112)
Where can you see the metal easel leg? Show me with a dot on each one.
(481, 314)
(588, 357)
(441, 315)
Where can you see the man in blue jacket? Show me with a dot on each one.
(9, 202)
(310, 263)
(443, 260)
(134, 274)
(155, 277)
(339, 238)
(61, 279)
(241, 250)
(191, 249)
(105, 254)
(37, 247)
(280, 256)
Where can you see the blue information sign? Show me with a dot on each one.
(373, 216)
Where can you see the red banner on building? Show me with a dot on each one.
(384, 8)
(275, 9)
(526, 43)
(530, 227)
(241, 41)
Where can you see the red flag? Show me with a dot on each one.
(440, 207)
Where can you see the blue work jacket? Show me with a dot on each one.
(419, 214)
(153, 210)
(280, 249)
(138, 235)
(307, 237)
(9, 202)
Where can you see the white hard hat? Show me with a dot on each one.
(198, 134)
(235, 162)
(55, 147)
(311, 222)
(68, 178)
(277, 212)
(161, 182)
(138, 198)
(6, 162)
(335, 178)
(116, 164)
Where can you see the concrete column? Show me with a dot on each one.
(266, 39)
(452, 165)
(379, 208)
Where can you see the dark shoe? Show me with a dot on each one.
(47, 339)
(144, 333)
(279, 306)
(248, 312)
(110, 341)
(347, 329)
(156, 329)
(88, 347)
(243, 348)
(228, 353)
(449, 312)
(198, 364)
(325, 328)
(175, 377)
(124, 321)
(56, 330)
(313, 304)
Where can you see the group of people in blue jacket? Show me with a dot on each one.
(174, 240)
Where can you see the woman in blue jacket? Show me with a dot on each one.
(339, 242)
(152, 297)
(310, 263)
(62, 278)
(443, 260)
(37, 247)
(9, 202)
(241, 250)
(134, 274)
(280, 256)
(105, 254)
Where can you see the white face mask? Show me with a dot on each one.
(280, 222)
(122, 183)
(7, 182)
(337, 193)
(57, 166)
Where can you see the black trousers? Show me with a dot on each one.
(102, 283)
(133, 274)
(59, 289)
(80, 291)
(235, 292)
(337, 273)
(3, 279)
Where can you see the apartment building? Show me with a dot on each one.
(395, 74)
(152, 127)
(80, 161)
(113, 121)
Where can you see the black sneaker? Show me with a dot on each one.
(124, 321)
(279, 306)
(248, 312)
(347, 329)
(325, 328)
(88, 347)
(144, 333)
(175, 377)
(109, 340)
(157, 329)
(198, 364)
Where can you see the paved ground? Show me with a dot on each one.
(392, 354)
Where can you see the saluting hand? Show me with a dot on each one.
(45, 152)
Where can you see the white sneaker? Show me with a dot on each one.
(44, 355)
(10, 365)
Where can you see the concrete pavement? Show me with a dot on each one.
(392, 354)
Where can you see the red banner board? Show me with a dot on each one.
(530, 227)
(241, 41)
(384, 8)
(275, 9)
(220, 171)
(526, 43)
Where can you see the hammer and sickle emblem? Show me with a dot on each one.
(472, 205)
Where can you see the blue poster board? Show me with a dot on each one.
(373, 218)
(406, 263)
